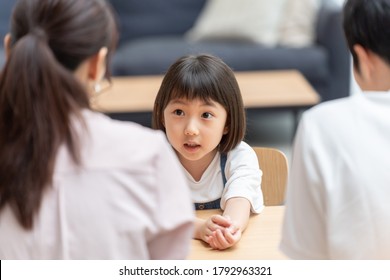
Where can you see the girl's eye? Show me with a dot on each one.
(207, 115)
(178, 112)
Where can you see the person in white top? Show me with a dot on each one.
(199, 107)
(75, 184)
(337, 198)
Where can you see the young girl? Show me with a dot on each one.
(199, 107)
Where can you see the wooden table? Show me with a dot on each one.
(259, 241)
(260, 89)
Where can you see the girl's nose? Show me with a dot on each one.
(191, 128)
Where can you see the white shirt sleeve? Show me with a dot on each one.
(243, 177)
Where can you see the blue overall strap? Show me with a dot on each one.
(223, 164)
(215, 204)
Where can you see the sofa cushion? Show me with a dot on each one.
(151, 56)
(250, 20)
(297, 30)
(143, 18)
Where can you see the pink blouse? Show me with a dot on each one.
(128, 200)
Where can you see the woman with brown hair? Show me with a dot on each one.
(75, 184)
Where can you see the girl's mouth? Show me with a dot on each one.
(191, 147)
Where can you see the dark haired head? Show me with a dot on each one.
(204, 77)
(40, 94)
(366, 23)
(74, 30)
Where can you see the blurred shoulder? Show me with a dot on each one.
(243, 151)
(100, 125)
(330, 110)
(112, 142)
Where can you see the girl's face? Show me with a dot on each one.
(195, 128)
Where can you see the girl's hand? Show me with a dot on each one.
(212, 224)
(224, 238)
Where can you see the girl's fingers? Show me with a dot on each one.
(230, 238)
(216, 222)
(221, 240)
(221, 221)
(233, 229)
(211, 241)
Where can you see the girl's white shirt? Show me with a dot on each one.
(243, 177)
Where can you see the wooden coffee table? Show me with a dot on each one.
(260, 89)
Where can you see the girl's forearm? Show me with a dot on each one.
(238, 209)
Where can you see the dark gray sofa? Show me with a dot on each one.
(5, 12)
(152, 38)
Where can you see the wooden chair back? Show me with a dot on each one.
(274, 165)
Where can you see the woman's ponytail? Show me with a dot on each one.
(38, 96)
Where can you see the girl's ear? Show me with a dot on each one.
(97, 65)
(225, 130)
(7, 45)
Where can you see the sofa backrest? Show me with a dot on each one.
(142, 18)
(6, 7)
